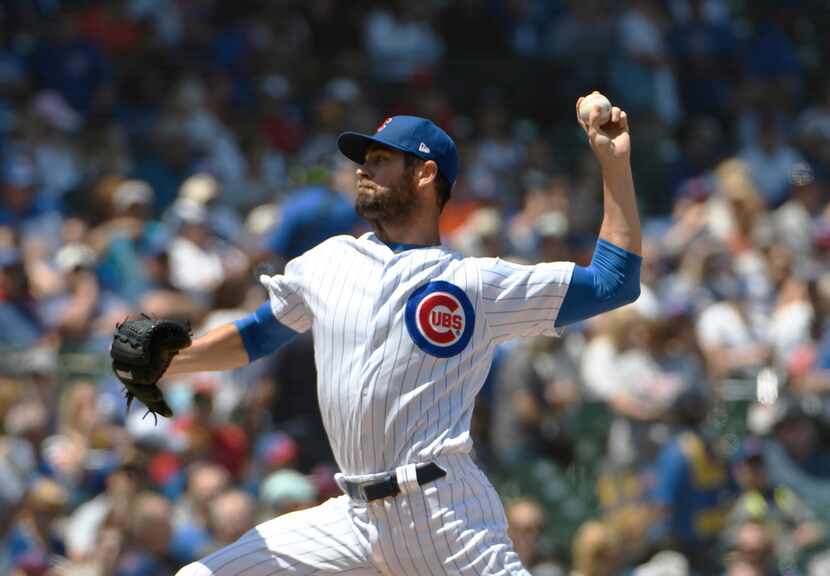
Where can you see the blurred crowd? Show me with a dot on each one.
(158, 156)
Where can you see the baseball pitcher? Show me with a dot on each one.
(404, 333)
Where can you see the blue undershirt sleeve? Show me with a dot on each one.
(262, 333)
(612, 280)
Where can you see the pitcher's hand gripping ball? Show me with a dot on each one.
(591, 101)
(141, 351)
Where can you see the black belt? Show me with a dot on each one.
(388, 486)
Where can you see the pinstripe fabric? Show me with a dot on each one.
(385, 401)
(332, 538)
(521, 300)
(388, 400)
(453, 526)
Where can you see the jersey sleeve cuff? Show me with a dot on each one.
(262, 333)
(611, 281)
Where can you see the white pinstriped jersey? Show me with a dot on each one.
(404, 340)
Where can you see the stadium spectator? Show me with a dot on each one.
(813, 131)
(526, 520)
(482, 234)
(191, 512)
(109, 510)
(231, 515)
(540, 383)
(84, 314)
(648, 381)
(208, 436)
(50, 127)
(794, 219)
(771, 160)
(753, 552)
(204, 189)
(796, 454)
(287, 491)
(127, 239)
(691, 488)
(199, 260)
(401, 41)
(34, 536)
(792, 525)
(24, 208)
(19, 310)
(146, 547)
(596, 550)
(310, 215)
(731, 343)
(543, 195)
(644, 75)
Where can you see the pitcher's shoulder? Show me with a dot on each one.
(461, 270)
(338, 243)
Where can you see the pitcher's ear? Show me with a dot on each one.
(427, 173)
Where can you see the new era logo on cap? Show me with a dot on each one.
(411, 134)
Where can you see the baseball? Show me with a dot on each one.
(589, 102)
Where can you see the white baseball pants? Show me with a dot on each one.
(454, 526)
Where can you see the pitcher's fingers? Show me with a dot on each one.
(593, 117)
(578, 117)
(623, 121)
(615, 114)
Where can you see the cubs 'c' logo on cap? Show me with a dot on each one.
(440, 318)
(383, 124)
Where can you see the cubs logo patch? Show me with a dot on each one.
(440, 318)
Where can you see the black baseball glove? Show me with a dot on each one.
(141, 351)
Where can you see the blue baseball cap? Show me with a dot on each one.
(411, 134)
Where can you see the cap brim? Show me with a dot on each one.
(354, 146)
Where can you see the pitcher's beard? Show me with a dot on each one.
(394, 204)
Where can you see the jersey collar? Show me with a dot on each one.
(402, 247)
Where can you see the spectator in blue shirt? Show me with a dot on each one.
(147, 548)
(22, 207)
(691, 488)
(19, 312)
(313, 214)
(34, 534)
(129, 238)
